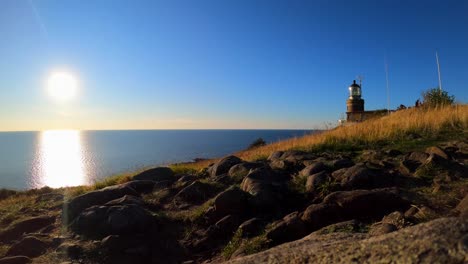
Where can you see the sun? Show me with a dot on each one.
(62, 86)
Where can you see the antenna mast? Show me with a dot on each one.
(388, 88)
(438, 71)
(360, 78)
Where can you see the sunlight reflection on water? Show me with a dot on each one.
(60, 160)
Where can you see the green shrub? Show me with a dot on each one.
(437, 97)
(259, 142)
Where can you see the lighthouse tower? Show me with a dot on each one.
(354, 104)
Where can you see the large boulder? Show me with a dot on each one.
(347, 205)
(367, 203)
(29, 246)
(275, 155)
(216, 235)
(141, 187)
(194, 193)
(357, 177)
(252, 227)
(15, 260)
(128, 249)
(290, 228)
(412, 161)
(266, 186)
(319, 215)
(279, 164)
(440, 241)
(297, 156)
(341, 163)
(361, 177)
(75, 206)
(316, 180)
(28, 225)
(99, 221)
(156, 174)
(125, 200)
(313, 169)
(239, 171)
(231, 201)
(378, 229)
(69, 250)
(264, 176)
(223, 166)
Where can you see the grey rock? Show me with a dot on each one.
(381, 228)
(130, 245)
(100, 221)
(281, 165)
(358, 177)
(15, 260)
(194, 193)
(275, 155)
(418, 156)
(320, 215)
(361, 177)
(252, 227)
(351, 226)
(290, 228)
(359, 203)
(126, 199)
(28, 246)
(396, 219)
(313, 169)
(74, 207)
(186, 178)
(230, 201)
(315, 181)
(341, 163)
(70, 250)
(141, 187)
(156, 174)
(437, 241)
(239, 171)
(267, 187)
(29, 225)
(223, 166)
(393, 152)
(338, 174)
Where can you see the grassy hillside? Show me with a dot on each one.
(398, 130)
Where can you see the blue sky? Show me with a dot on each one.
(222, 64)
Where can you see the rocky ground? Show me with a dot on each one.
(357, 206)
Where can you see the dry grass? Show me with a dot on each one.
(113, 180)
(394, 127)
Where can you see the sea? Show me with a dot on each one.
(59, 158)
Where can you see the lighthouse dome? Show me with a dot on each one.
(354, 91)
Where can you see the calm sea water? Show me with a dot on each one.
(69, 158)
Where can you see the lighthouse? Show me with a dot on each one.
(355, 104)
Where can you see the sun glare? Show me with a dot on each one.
(60, 160)
(62, 86)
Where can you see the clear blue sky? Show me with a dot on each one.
(222, 64)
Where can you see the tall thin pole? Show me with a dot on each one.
(438, 71)
(388, 87)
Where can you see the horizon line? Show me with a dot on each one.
(161, 129)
